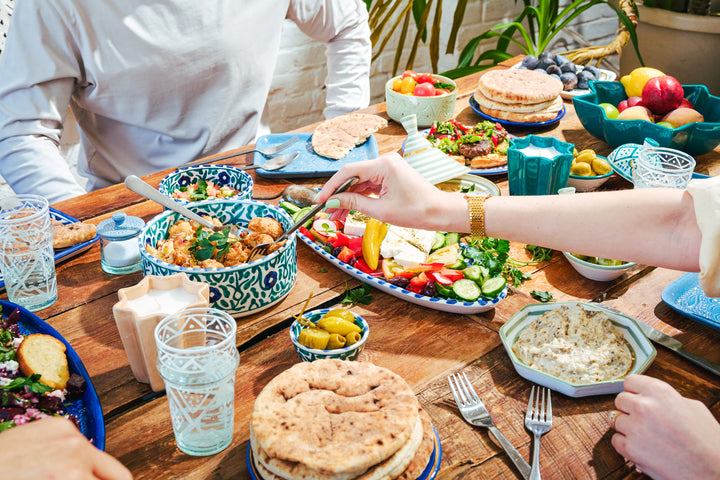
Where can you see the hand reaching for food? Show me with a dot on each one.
(656, 426)
(404, 197)
(54, 448)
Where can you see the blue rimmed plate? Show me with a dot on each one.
(687, 297)
(430, 472)
(65, 253)
(442, 304)
(476, 108)
(86, 408)
(309, 164)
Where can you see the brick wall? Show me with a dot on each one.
(297, 95)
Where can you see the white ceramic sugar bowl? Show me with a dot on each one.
(120, 250)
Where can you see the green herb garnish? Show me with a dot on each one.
(360, 294)
(539, 254)
(542, 296)
(200, 192)
(445, 86)
(211, 244)
(30, 382)
(471, 188)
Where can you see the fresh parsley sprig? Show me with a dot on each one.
(200, 192)
(30, 382)
(359, 294)
(211, 244)
(542, 296)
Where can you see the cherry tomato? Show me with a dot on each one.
(408, 85)
(424, 90)
(396, 84)
(441, 91)
(409, 73)
(425, 78)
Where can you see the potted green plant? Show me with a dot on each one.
(680, 38)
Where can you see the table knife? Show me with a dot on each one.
(669, 342)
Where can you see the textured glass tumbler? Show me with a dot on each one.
(197, 359)
(27, 258)
(662, 167)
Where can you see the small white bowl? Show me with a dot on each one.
(643, 351)
(588, 184)
(593, 271)
(427, 109)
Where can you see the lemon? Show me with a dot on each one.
(637, 79)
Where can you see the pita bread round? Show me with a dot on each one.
(424, 451)
(333, 417)
(544, 115)
(519, 86)
(485, 102)
(334, 138)
(488, 161)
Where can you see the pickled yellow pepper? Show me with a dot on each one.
(375, 232)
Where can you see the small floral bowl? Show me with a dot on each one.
(311, 354)
(219, 175)
(240, 290)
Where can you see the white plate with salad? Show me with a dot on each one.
(432, 269)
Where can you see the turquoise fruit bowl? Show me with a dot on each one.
(538, 175)
(694, 138)
(220, 175)
(242, 289)
(311, 354)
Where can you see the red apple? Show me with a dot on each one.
(686, 104)
(662, 94)
(634, 102)
(622, 105)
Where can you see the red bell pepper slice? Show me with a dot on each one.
(345, 255)
(405, 274)
(420, 279)
(306, 232)
(355, 244)
(415, 288)
(494, 139)
(453, 275)
(363, 267)
(440, 278)
(342, 240)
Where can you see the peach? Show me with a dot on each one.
(636, 113)
(682, 116)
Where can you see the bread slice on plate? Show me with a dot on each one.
(45, 355)
(334, 138)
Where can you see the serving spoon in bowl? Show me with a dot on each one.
(146, 190)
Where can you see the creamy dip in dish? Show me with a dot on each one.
(575, 345)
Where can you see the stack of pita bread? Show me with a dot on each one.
(335, 138)
(516, 95)
(339, 420)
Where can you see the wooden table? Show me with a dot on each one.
(420, 344)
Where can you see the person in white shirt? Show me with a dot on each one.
(155, 84)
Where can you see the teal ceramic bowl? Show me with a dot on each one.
(220, 175)
(531, 174)
(694, 138)
(311, 354)
(240, 290)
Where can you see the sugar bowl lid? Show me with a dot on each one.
(120, 227)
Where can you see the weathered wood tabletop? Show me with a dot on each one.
(424, 346)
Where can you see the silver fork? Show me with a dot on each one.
(264, 248)
(538, 419)
(264, 151)
(475, 413)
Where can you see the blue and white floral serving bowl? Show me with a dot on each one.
(311, 354)
(220, 175)
(242, 289)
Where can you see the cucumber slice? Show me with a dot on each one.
(444, 291)
(492, 287)
(452, 238)
(458, 265)
(439, 241)
(466, 290)
(291, 208)
(298, 215)
(474, 273)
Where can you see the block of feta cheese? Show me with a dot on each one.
(355, 223)
(408, 246)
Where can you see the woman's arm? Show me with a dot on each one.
(648, 226)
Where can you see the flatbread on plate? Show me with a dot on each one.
(334, 138)
(70, 234)
(544, 115)
(519, 86)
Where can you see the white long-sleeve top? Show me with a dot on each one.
(155, 84)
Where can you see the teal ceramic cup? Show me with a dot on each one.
(538, 165)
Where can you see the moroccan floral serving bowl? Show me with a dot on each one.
(242, 289)
(219, 175)
(308, 354)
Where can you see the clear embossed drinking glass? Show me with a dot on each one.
(27, 259)
(197, 359)
(662, 167)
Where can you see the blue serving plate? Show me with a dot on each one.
(430, 472)
(694, 138)
(476, 108)
(87, 408)
(309, 164)
(442, 304)
(65, 253)
(686, 297)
